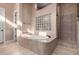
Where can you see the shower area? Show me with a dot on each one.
(68, 24)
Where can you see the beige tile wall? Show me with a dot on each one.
(47, 10)
(26, 17)
(9, 7)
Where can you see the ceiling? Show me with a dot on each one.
(41, 5)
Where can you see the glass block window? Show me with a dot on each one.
(43, 22)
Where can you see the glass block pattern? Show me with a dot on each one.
(43, 22)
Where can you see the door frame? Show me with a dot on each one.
(15, 11)
(4, 26)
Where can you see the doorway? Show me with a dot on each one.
(2, 25)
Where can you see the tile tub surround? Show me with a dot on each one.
(41, 48)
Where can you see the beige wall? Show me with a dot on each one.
(66, 9)
(26, 17)
(49, 9)
(29, 13)
(9, 16)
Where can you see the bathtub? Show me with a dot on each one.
(39, 44)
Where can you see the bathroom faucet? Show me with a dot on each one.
(48, 36)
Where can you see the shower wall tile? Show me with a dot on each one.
(68, 27)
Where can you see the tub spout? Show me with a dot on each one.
(48, 36)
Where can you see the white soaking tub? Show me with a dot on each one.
(38, 44)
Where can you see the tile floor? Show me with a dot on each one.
(66, 47)
(14, 49)
(63, 48)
